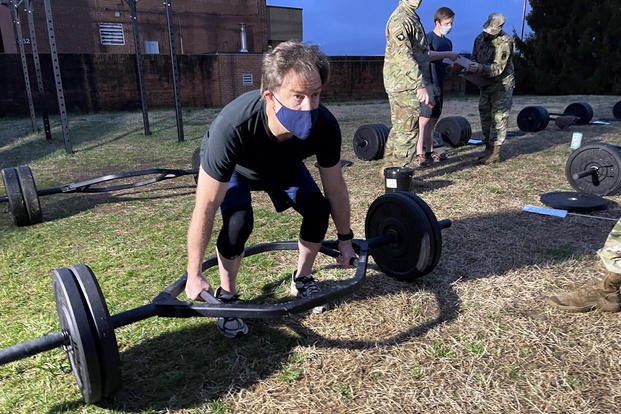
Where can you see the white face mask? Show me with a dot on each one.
(445, 29)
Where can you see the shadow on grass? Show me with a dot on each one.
(188, 368)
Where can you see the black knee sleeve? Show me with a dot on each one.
(236, 228)
(315, 211)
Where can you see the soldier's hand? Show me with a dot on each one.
(422, 95)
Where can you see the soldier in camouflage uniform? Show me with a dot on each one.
(492, 52)
(406, 75)
(604, 294)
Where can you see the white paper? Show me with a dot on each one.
(545, 211)
(475, 141)
(461, 61)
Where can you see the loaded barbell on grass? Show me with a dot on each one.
(23, 197)
(402, 235)
(595, 169)
(536, 118)
(370, 140)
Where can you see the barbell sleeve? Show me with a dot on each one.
(585, 173)
(32, 347)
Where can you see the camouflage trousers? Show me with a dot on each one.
(400, 149)
(494, 107)
(611, 252)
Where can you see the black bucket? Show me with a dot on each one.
(398, 178)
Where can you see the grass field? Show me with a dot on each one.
(474, 335)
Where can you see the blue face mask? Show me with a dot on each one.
(298, 122)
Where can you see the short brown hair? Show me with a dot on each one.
(301, 57)
(443, 13)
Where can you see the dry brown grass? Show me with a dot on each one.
(475, 334)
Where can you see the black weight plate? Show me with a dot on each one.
(604, 159)
(104, 331)
(74, 319)
(571, 201)
(436, 232)
(454, 130)
(533, 119)
(616, 110)
(411, 255)
(17, 205)
(29, 192)
(582, 110)
(369, 141)
(196, 163)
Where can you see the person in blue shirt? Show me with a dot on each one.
(440, 48)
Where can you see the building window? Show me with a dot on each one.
(111, 34)
(151, 47)
(247, 79)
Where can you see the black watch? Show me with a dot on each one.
(345, 237)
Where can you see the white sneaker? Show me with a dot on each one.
(306, 286)
(230, 327)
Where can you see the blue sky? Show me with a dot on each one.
(356, 27)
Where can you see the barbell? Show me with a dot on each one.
(595, 169)
(536, 118)
(23, 197)
(402, 235)
(370, 140)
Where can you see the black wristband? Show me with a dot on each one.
(345, 237)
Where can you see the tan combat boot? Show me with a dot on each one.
(604, 296)
(493, 157)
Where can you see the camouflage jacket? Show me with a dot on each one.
(406, 62)
(495, 55)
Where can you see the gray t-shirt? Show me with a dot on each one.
(239, 139)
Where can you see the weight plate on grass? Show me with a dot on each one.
(105, 341)
(410, 256)
(602, 162)
(616, 110)
(29, 192)
(17, 205)
(75, 321)
(196, 163)
(582, 110)
(533, 119)
(369, 141)
(436, 232)
(454, 130)
(571, 201)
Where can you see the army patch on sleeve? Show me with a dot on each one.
(400, 37)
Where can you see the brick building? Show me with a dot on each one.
(200, 26)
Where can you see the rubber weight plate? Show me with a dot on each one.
(369, 141)
(411, 255)
(105, 341)
(17, 205)
(29, 192)
(616, 110)
(582, 110)
(454, 130)
(571, 201)
(196, 163)
(436, 232)
(82, 349)
(533, 119)
(603, 160)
